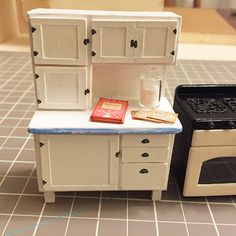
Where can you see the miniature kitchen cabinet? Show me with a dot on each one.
(73, 153)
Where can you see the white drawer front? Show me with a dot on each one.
(143, 176)
(214, 137)
(149, 140)
(132, 154)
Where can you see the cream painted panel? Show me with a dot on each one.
(214, 137)
(72, 162)
(133, 154)
(197, 155)
(149, 140)
(142, 176)
(61, 87)
(111, 42)
(59, 41)
(156, 41)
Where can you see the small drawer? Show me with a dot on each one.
(133, 154)
(140, 176)
(214, 137)
(150, 140)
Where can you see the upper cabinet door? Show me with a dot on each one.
(111, 41)
(59, 41)
(157, 41)
(61, 87)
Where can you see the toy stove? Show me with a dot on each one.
(204, 155)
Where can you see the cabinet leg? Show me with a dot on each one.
(156, 195)
(49, 197)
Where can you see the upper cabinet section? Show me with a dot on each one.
(140, 41)
(75, 37)
(59, 41)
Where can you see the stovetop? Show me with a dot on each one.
(208, 106)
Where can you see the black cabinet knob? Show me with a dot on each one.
(133, 43)
(232, 125)
(143, 171)
(145, 141)
(145, 154)
(211, 125)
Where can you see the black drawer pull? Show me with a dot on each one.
(145, 141)
(143, 171)
(145, 154)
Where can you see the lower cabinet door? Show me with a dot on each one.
(143, 176)
(79, 162)
(61, 87)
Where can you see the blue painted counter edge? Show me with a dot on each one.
(105, 131)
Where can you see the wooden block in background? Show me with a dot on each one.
(204, 26)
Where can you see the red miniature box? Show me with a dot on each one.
(110, 111)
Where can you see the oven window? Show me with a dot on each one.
(218, 170)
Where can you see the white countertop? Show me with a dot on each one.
(77, 122)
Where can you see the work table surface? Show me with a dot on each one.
(77, 122)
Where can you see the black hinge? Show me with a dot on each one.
(33, 29)
(175, 31)
(35, 53)
(172, 53)
(39, 101)
(44, 182)
(86, 91)
(86, 41)
(36, 76)
(41, 144)
(117, 154)
(94, 31)
(93, 53)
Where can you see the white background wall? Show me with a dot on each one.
(208, 3)
(218, 3)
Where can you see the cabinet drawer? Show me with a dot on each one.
(150, 140)
(214, 137)
(140, 176)
(132, 154)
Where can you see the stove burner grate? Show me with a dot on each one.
(206, 105)
(231, 103)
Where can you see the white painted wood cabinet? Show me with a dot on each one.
(67, 44)
(73, 153)
(98, 162)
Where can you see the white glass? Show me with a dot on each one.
(150, 88)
